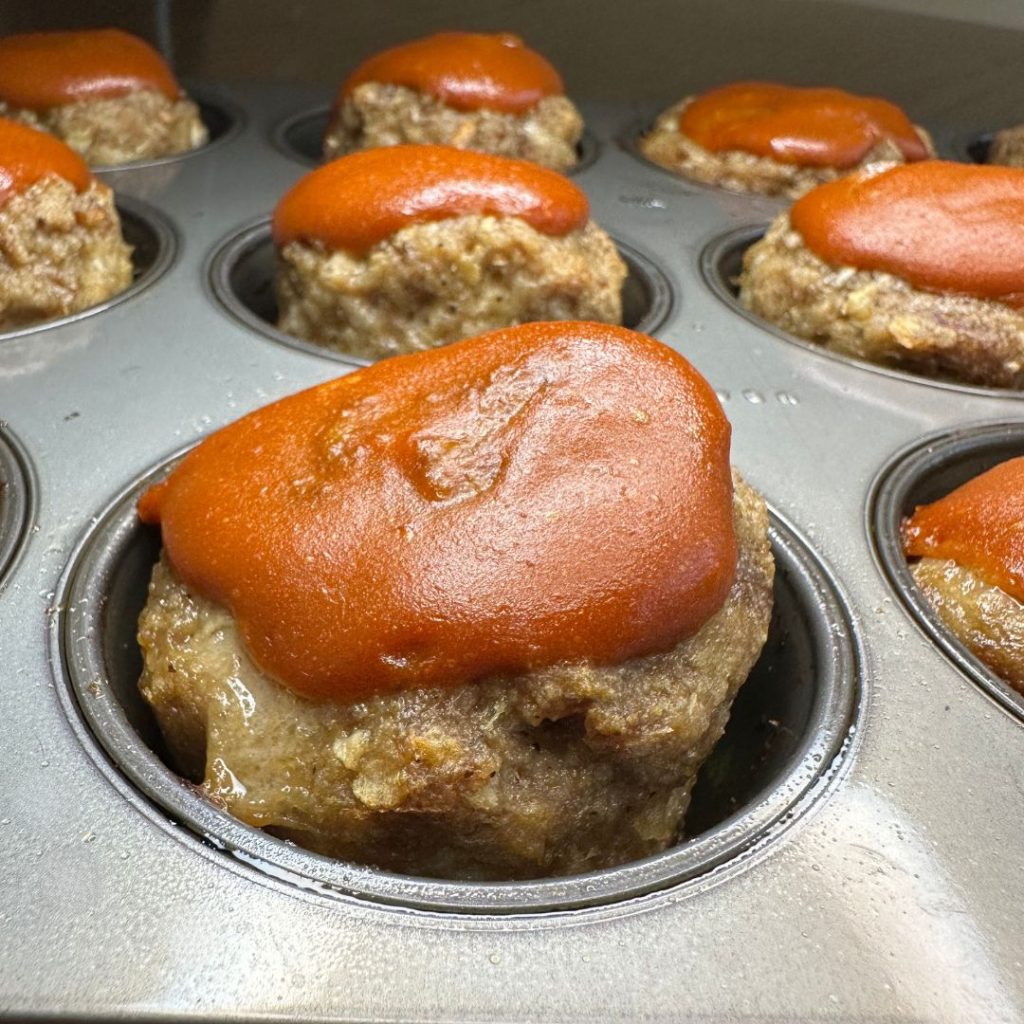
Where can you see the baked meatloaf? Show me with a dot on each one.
(479, 612)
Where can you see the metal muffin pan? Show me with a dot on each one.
(854, 887)
(301, 137)
(789, 725)
(241, 277)
(926, 471)
(17, 500)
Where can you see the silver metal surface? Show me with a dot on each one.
(17, 500)
(896, 894)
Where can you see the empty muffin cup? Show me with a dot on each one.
(919, 474)
(240, 275)
(789, 727)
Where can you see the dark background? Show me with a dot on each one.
(626, 49)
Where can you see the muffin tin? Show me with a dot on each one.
(837, 864)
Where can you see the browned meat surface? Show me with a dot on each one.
(746, 172)
(378, 114)
(562, 770)
(60, 251)
(429, 284)
(879, 317)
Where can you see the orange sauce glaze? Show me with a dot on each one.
(26, 155)
(466, 70)
(944, 227)
(980, 526)
(814, 127)
(548, 493)
(359, 200)
(39, 70)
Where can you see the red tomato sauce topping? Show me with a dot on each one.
(466, 70)
(980, 526)
(359, 200)
(26, 155)
(944, 227)
(814, 127)
(40, 70)
(554, 492)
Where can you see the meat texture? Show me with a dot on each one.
(735, 169)
(984, 618)
(432, 283)
(561, 770)
(880, 317)
(379, 114)
(61, 251)
(141, 125)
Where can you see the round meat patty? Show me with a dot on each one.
(490, 244)
(556, 771)
(878, 315)
(480, 92)
(61, 248)
(107, 94)
(770, 152)
(424, 703)
(967, 556)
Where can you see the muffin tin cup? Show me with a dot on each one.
(240, 277)
(17, 500)
(721, 262)
(223, 122)
(921, 473)
(789, 727)
(301, 136)
(154, 243)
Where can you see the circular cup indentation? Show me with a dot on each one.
(240, 275)
(223, 121)
(154, 243)
(301, 137)
(720, 264)
(788, 728)
(17, 500)
(919, 474)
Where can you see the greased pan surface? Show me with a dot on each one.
(896, 894)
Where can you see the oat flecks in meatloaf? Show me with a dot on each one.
(433, 283)
(379, 114)
(61, 251)
(984, 618)
(879, 317)
(554, 772)
(141, 125)
(734, 169)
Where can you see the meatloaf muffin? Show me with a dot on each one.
(109, 95)
(61, 248)
(1008, 147)
(968, 559)
(478, 612)
(778, 140)
(406, 248)
(463, 89)
(919, 267)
